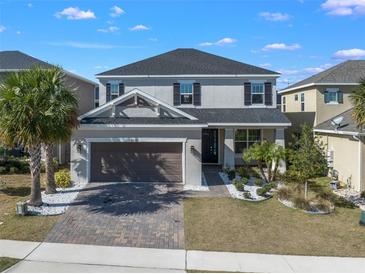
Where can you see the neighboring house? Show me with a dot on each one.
(320, 101)
(84, 89)
(321, 96)
(162, 118)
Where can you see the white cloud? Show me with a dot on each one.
(2, 28)
(83, 45)
(18, 32)
(109, 29)
(221, 42)
(100, 67)
(281, 46)
(265, 65)
(139, 28)
(344, 7)
(274, 16)
(30, 5)
(74, 13)
(349, 54)
(116, 11)
(314, 70)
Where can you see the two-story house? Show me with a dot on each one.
(84, 89)
(162, 118)
(323, 101)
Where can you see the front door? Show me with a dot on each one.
(210, 146)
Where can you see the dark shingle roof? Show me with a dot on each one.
(238, 115)
(184, 62)
(19, 60)
(204, 116)
(348, 123)
(351, 71)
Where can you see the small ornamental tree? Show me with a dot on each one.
(265, 154)
(307, 158)
(358, 100)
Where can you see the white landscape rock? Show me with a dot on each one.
(351, 195)
(250, 187)
(56, 204)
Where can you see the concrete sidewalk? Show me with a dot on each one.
(53, 257)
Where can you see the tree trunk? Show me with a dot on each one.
(276, 166)
(51, 184)
(306, 190)
(269, 171)
(35, 172)
(262, 171)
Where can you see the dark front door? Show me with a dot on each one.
(210, 146)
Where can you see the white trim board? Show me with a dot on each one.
(316, 84)
(135, 126)
(190, 76)
(353, 133)
(136, 92)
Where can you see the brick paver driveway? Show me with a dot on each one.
(117, 214)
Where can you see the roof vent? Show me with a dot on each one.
(336, 122)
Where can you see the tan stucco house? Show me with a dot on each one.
(162, 118)
(321, 100)
(84, 89)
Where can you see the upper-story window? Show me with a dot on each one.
(114, 90)
(186, 92)
(296, 97)
(96, 97)
(284, 103)
(333, 96)
(302, 102)
(257, 93)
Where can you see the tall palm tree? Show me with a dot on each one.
(61, 117)
(358, 100)
(22, 119)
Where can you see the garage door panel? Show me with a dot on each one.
(137, 162)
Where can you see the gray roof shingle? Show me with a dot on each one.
(204, 116)
(348, 124)
(18, 60)
(184, 62)
(351, 71)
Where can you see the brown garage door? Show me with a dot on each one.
(136, 162)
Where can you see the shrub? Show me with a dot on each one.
(342, 202)
(55, 164)
(362, 195)
(259, 182)
(13, 165)
(63, 178)
(323, 205)
(284, 193)
(247, 195)
(243, 172)
(263, 190)
(231, 173)
(13, 170)
(239, 185)
(3, 170)
(302, 203)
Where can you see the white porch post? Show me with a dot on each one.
(229, 148)
(280, 140)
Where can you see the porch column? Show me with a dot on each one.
(229, 148)
(280, 140)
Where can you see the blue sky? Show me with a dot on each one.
(295, 37)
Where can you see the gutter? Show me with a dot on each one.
(189, 76)
(316, 84)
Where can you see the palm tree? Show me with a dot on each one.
(358, 100)
(61, 116)
(22, 119)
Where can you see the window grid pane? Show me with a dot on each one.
(114, 89)
(186, 88)
(332, 96)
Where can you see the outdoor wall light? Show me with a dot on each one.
(79, 148)
(192, 148)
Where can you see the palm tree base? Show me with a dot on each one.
(50, 191)
(35, 203)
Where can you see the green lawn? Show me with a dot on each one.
(225, 224)
(5, 263)
(14, 188)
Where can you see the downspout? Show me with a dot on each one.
(358, 139)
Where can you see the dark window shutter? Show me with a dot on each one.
(108, 96)
(121, 89)
(340, 97)
(176, 94)
(197, 94)
(247, 94)
(268, 94)
(326, 97)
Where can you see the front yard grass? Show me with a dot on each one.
(5, 263)
(14, 188)
(225, 224)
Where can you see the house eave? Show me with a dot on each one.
(316, 84)
(139, 126)
(339, 132)
(191, 76)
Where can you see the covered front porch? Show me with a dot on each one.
(224, 145)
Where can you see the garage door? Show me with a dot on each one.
(136, 162)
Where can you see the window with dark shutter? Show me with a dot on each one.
(176, 94)
(326, 97)
(121, 89)
(197, 94)
(108, 95)
(268, 94)
(340, 97)
(247, 87)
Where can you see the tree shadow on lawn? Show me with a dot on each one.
(129, 198)
(21, 191)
